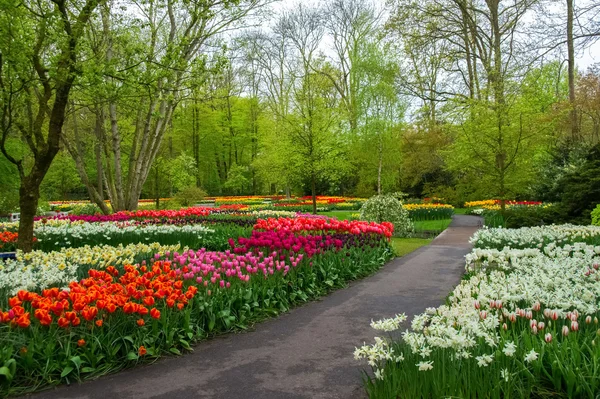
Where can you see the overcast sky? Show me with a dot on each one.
(584, 58)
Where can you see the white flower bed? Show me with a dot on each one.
(38, 270)
(547, 291)
(534, 237)
(63, 233)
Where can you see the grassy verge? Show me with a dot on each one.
(436, 226)
(404, 246)
(340, 215)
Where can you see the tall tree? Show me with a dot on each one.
(39, 62)
(144, 86)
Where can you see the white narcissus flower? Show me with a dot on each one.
(531, 356)
(509, 349)
(425, 366)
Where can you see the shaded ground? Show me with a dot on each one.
(306, 353)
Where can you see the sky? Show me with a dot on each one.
(584, 59)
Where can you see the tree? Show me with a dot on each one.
(39, 62)
(145, 74)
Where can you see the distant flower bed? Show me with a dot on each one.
(495, 204)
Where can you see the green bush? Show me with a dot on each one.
(387, 208)
(189, 196)
(596, 216)
(525, 216)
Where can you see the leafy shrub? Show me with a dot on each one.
(596, 216)
(578, 188)
(525, 216)
(189, 196)
(387, 208)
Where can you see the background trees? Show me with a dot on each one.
(454, 98)
(39, 62)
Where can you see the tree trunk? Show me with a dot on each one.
(29, 195)
(571, 71)
(314, 193)
(380, 167)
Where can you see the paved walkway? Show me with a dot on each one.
(306, 353)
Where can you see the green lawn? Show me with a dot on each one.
(340, 215)
(436, 226)
(404, 246)
(461, 211)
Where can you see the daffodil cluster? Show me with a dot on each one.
(540, 286)
(38, 270)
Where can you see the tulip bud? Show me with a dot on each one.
(588, 320)
(498, 304)
(541, 325)
(574, 326)
(512, 317)
(476, 304)
(532, 323)
(534, 330)
(504, 327)
(595, 320)
(574, 317)
(565, 331)
(529, 314)
(548, 338)
(547, 313)
(536, 306)
(554, 315)
(492, 304)
(483, 314)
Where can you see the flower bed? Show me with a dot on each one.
(8, 241)
(523, 323)
(39, 270)
(122, 314)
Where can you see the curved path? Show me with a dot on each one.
(306, 353)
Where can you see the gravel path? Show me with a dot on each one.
(306, 353)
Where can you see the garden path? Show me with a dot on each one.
(306, 353)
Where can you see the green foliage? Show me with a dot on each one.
(236, 180)
(524, 216)
(387, 208)
(579, 188)
(596, 216)
(189, 196)
(61, 179)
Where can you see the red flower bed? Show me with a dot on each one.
(325, 226)
(92, 299)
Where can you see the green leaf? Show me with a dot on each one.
(76, 361)
(175, 351)
(6, 372)
(88, 369)
(66, 371)
(132, 356)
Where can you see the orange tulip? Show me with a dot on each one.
(23, 320)
(140, 322)
(142, 351)
(63, 322)
(155, 313)
(149, 301)
(81, 342)
(99, 322)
